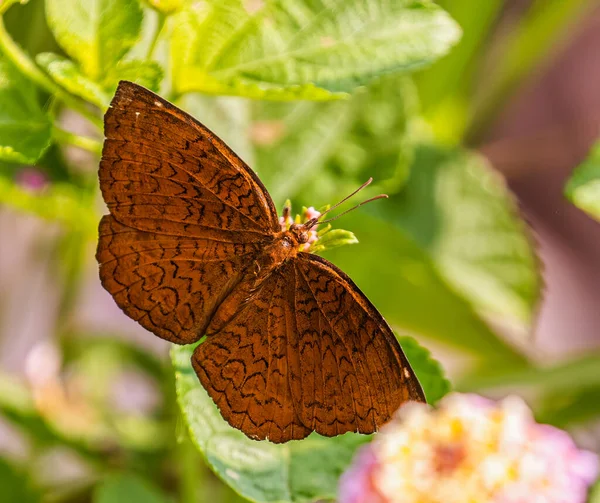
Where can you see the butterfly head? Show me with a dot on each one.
(300, 231)
(304, 235)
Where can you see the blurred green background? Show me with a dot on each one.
(477, 254)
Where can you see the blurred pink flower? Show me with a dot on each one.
(32, 179)
(285, 222)
(313, 237)
(469, 449)
(311, 213)
(357, 484)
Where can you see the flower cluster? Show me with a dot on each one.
(469, 450)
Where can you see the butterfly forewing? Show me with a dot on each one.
(293, 346)
(163, 170)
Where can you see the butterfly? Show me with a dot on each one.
(193, 248)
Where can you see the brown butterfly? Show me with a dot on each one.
(193, 246)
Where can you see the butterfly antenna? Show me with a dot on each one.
(380, 196)
(314, 221)
(348, 197)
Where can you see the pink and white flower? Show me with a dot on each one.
(469, 450)
(312, 234)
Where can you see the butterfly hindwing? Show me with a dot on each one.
(169, 284)
(309, 354)
(245, 368)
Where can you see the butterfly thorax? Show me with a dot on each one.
(285, 246)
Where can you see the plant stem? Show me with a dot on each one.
(190, 475)
(83, 142)
(7, 4)
(453, 73)
(576, 373)
(546, 23)
(159, 27)
(22, 61)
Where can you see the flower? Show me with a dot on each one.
(285, 221)
(32, 179)
(313, 237)
(469, 450)
(311, 213)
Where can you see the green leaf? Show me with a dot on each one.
(570, 407)
(145, 73)
(126, 488)
(291, 49)
(97, 34)
(340, 144)
(6, 4)
(333, 239)
(16, 486)
(595, 493)
(380, 141)
(63, 203)
(298, 471)
(166, 7)
(304, 135)
(574, 375)
(227, 116)
(446, 87)
(462, 215)
(583, 188)
(405, 285)
(25, 129)
(66, 73)
(191, 29)
(429, 371)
